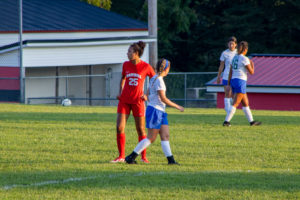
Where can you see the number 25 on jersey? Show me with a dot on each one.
(133, 81)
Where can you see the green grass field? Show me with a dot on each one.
(55, 152)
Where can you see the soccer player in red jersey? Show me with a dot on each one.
(132, 97)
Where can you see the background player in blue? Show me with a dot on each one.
(156, 117)
(238, 81)
(225, 60)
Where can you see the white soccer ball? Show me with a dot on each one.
(66, 102)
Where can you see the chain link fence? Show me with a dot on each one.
(186, 89)
(80, 84)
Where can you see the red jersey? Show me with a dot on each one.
(134, 83)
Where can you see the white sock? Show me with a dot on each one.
(230, 113)
(248, 113)
(165, 145)
(143, 144)
(227, 104)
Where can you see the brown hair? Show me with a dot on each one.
(243, 45)
(138, 47)
(160, 65)
(232, 39)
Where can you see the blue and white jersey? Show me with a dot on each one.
(155, 84)
(238, 65)
(227, 57)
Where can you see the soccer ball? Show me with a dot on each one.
(66, 102)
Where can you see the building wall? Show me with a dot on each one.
(71, 60)
(77, 55)
(9, 84)
(105, 86)
(10, 59)
(9, 38)
(108, 86)
(268, 101)
(39, 87)
(74, 56)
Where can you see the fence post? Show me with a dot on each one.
(22, 70)
(56, 85)
(90, 84)
(152, 29)
(67, 79)
(185, 77)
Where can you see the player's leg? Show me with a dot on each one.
(140, 128)
(165, 144)
(228, 96)
(247, 111)
(236, 102)
(142, 145)
(238, 88)
(138, 111)
(122, 117)
(153, 124)
(164, 137)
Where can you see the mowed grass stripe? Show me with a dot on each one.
(182, 175)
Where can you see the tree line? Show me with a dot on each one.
(193, 33)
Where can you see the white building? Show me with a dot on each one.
(76, 54)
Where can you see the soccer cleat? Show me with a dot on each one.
(226, 123)
(118, 160)
(131, 158)
(171, 161)
(255, 123)
(144, 160)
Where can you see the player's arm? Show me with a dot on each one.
(145, 96)
(167, 101)
(250, 67)
(151, 72)
(122, 82)
(221, 68)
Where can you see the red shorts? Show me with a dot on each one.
(138, 110)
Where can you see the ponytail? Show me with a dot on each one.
(138, 47)
(161, 66)
(243, 45)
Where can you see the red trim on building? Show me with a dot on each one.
(268, 101)
(84, 30)
(9, 72)
(9, 84)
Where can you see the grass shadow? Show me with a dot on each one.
(204, 180)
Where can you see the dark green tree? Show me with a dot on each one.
(193, 33)
(131, 8)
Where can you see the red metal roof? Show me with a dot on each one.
(275, 71)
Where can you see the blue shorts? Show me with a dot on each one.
(155, 118)
(238, 85)
(225, 82)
